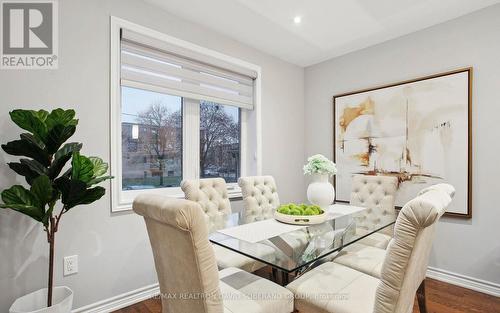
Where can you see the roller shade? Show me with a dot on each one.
(156, 65)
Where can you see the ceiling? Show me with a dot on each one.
(329, 28)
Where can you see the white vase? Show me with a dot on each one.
(36, 302)
(320, 191)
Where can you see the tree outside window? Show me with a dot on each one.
(219, 141)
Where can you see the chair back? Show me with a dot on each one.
(260, 197)
(377, 194)
(405, 265)
(184, 259)
(211, 195)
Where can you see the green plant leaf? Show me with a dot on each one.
(58, 135)
(17, 194)
(61, 117)
(75, 192)
(41, 115)
(97, 180)
(28, 147)
(71, 190)
(32, 121)
(29, 210)
(42, 189)
(91, 195)
(68, 148)
(36, 142)
(35, 166)
(82, 168)
(100, 167)
(61, 157)
(23, 170)
(22, 200)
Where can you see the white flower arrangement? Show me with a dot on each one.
(319, 164)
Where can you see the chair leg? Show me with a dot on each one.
(274, 275)
(285, 278)
(422, 306)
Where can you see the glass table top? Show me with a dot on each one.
(298, 249)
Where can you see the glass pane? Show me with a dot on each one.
(219, 141)
(151, 139)
(313, 242)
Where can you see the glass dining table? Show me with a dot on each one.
(292, 250)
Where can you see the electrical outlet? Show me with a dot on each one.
(70, 265)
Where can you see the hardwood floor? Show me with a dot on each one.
(441, 298)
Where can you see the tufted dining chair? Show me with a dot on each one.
(260, 200)
(260, 197)
(369, 260)
(402, 274)
(212, 196)
(186, 268)
(377, 194)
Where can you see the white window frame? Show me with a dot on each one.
(122, 200)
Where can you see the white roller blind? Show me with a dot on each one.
(151, 64)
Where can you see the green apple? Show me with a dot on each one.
(309, 211)
(317, 209)
(284, 210)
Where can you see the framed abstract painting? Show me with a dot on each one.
(418, 131)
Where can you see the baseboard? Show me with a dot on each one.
(121, 301)
(141, 294)
(464, 281)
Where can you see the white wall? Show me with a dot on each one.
(467, 247)
(114, 251)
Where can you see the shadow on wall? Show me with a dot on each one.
(454, 220)
(485, 261)
(23, 255)
(23, 260)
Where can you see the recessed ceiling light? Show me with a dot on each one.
(297, 20)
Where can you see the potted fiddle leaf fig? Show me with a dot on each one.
(58, 178)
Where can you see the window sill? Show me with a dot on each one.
(234, 194)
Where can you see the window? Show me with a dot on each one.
(151, 139)
(220, 135)
(178, 111)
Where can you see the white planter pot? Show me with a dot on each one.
(320, 191)
(36, 302)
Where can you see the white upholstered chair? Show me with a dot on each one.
(377, 194)
(366, 259)
(260, 197)
(369, 260)
(186, 267)
(260, 200)
(211, 194)
(333, 287)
